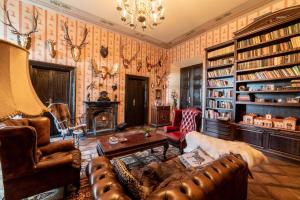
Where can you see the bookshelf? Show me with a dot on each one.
(267, 80)
(219, 107)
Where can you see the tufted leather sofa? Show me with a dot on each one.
(225, 178)
(31, 164)
(184, 121)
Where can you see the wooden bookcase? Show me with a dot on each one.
(267, 60)
(219, 106)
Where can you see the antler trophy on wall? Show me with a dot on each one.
(127, 62)
(51, 49)
(104, 71)
(160, 62)
(75, 49)
(24, 39)
(160, 78)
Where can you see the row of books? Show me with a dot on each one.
(223, 61)
(212, 114)
(220, 72)
(220, 93)
(221, 51)
(219, 83)
(219, 104)
(281, 47)
(292, 29)
(279, 60)
(271, 74)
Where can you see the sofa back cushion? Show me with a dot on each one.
(42, 127)
(129, 182)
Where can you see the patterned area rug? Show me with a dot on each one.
(88, 152)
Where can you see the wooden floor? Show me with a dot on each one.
(276, 180)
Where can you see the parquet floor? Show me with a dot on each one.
(276, 180)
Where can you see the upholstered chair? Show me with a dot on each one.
(184, 121)
(63, 121)
(31, 164)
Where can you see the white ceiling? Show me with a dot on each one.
(182, 16)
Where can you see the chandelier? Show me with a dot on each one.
(143, 13)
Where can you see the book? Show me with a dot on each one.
(196, 158)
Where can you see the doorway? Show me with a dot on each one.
(136, 100)
(54, 83)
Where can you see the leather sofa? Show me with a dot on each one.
(184, 121)
(225, 178)
(31, 164)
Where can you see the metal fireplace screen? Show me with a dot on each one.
(103, 120)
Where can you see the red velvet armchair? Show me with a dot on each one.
(184, 121)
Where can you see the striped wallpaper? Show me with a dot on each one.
(195, 47)
(50, 27)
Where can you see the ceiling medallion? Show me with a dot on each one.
(143, 13)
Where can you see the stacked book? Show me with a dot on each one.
(276, 48)
(212, 114)
(279, 60)
(271, 74)
(220, 93)
(219, 104)
(289, 30)
(218, 83)
(220, 72)
(219, 62)
(222, 51)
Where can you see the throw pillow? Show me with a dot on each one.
(131, 184)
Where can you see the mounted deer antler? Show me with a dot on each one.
(160, 78)
(75, 49)
(24, 39)
(127, 62)
(104, 71)
(160, 62)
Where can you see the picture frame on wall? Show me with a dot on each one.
(158, 94)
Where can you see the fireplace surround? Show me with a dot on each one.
(101, 116)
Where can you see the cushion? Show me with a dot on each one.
(174, 136)
(42, 127)
(132, 185)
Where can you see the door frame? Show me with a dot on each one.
(146, 104)
(72, 78)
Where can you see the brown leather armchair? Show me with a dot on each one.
(30, 163)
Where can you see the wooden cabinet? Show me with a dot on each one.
(160, 116)
(191, 86)
(278, 142)
(218, 129)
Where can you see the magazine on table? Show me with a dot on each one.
(196, 158)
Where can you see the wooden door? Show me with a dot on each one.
(136, 100)
(54, 83)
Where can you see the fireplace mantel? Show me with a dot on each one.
(94, 108)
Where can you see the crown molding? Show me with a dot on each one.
(85, 16)
(240, 10)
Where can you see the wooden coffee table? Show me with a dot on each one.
(135, 142)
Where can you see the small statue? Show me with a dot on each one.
(103, 96)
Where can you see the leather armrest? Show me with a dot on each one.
(171, 129)
(17, 150)
(53, 161)
(59, 146)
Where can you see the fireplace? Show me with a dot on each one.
(101, 116)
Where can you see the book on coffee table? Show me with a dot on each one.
(196, 158)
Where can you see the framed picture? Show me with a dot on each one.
(158, 94)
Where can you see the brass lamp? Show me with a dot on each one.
(17, 95)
